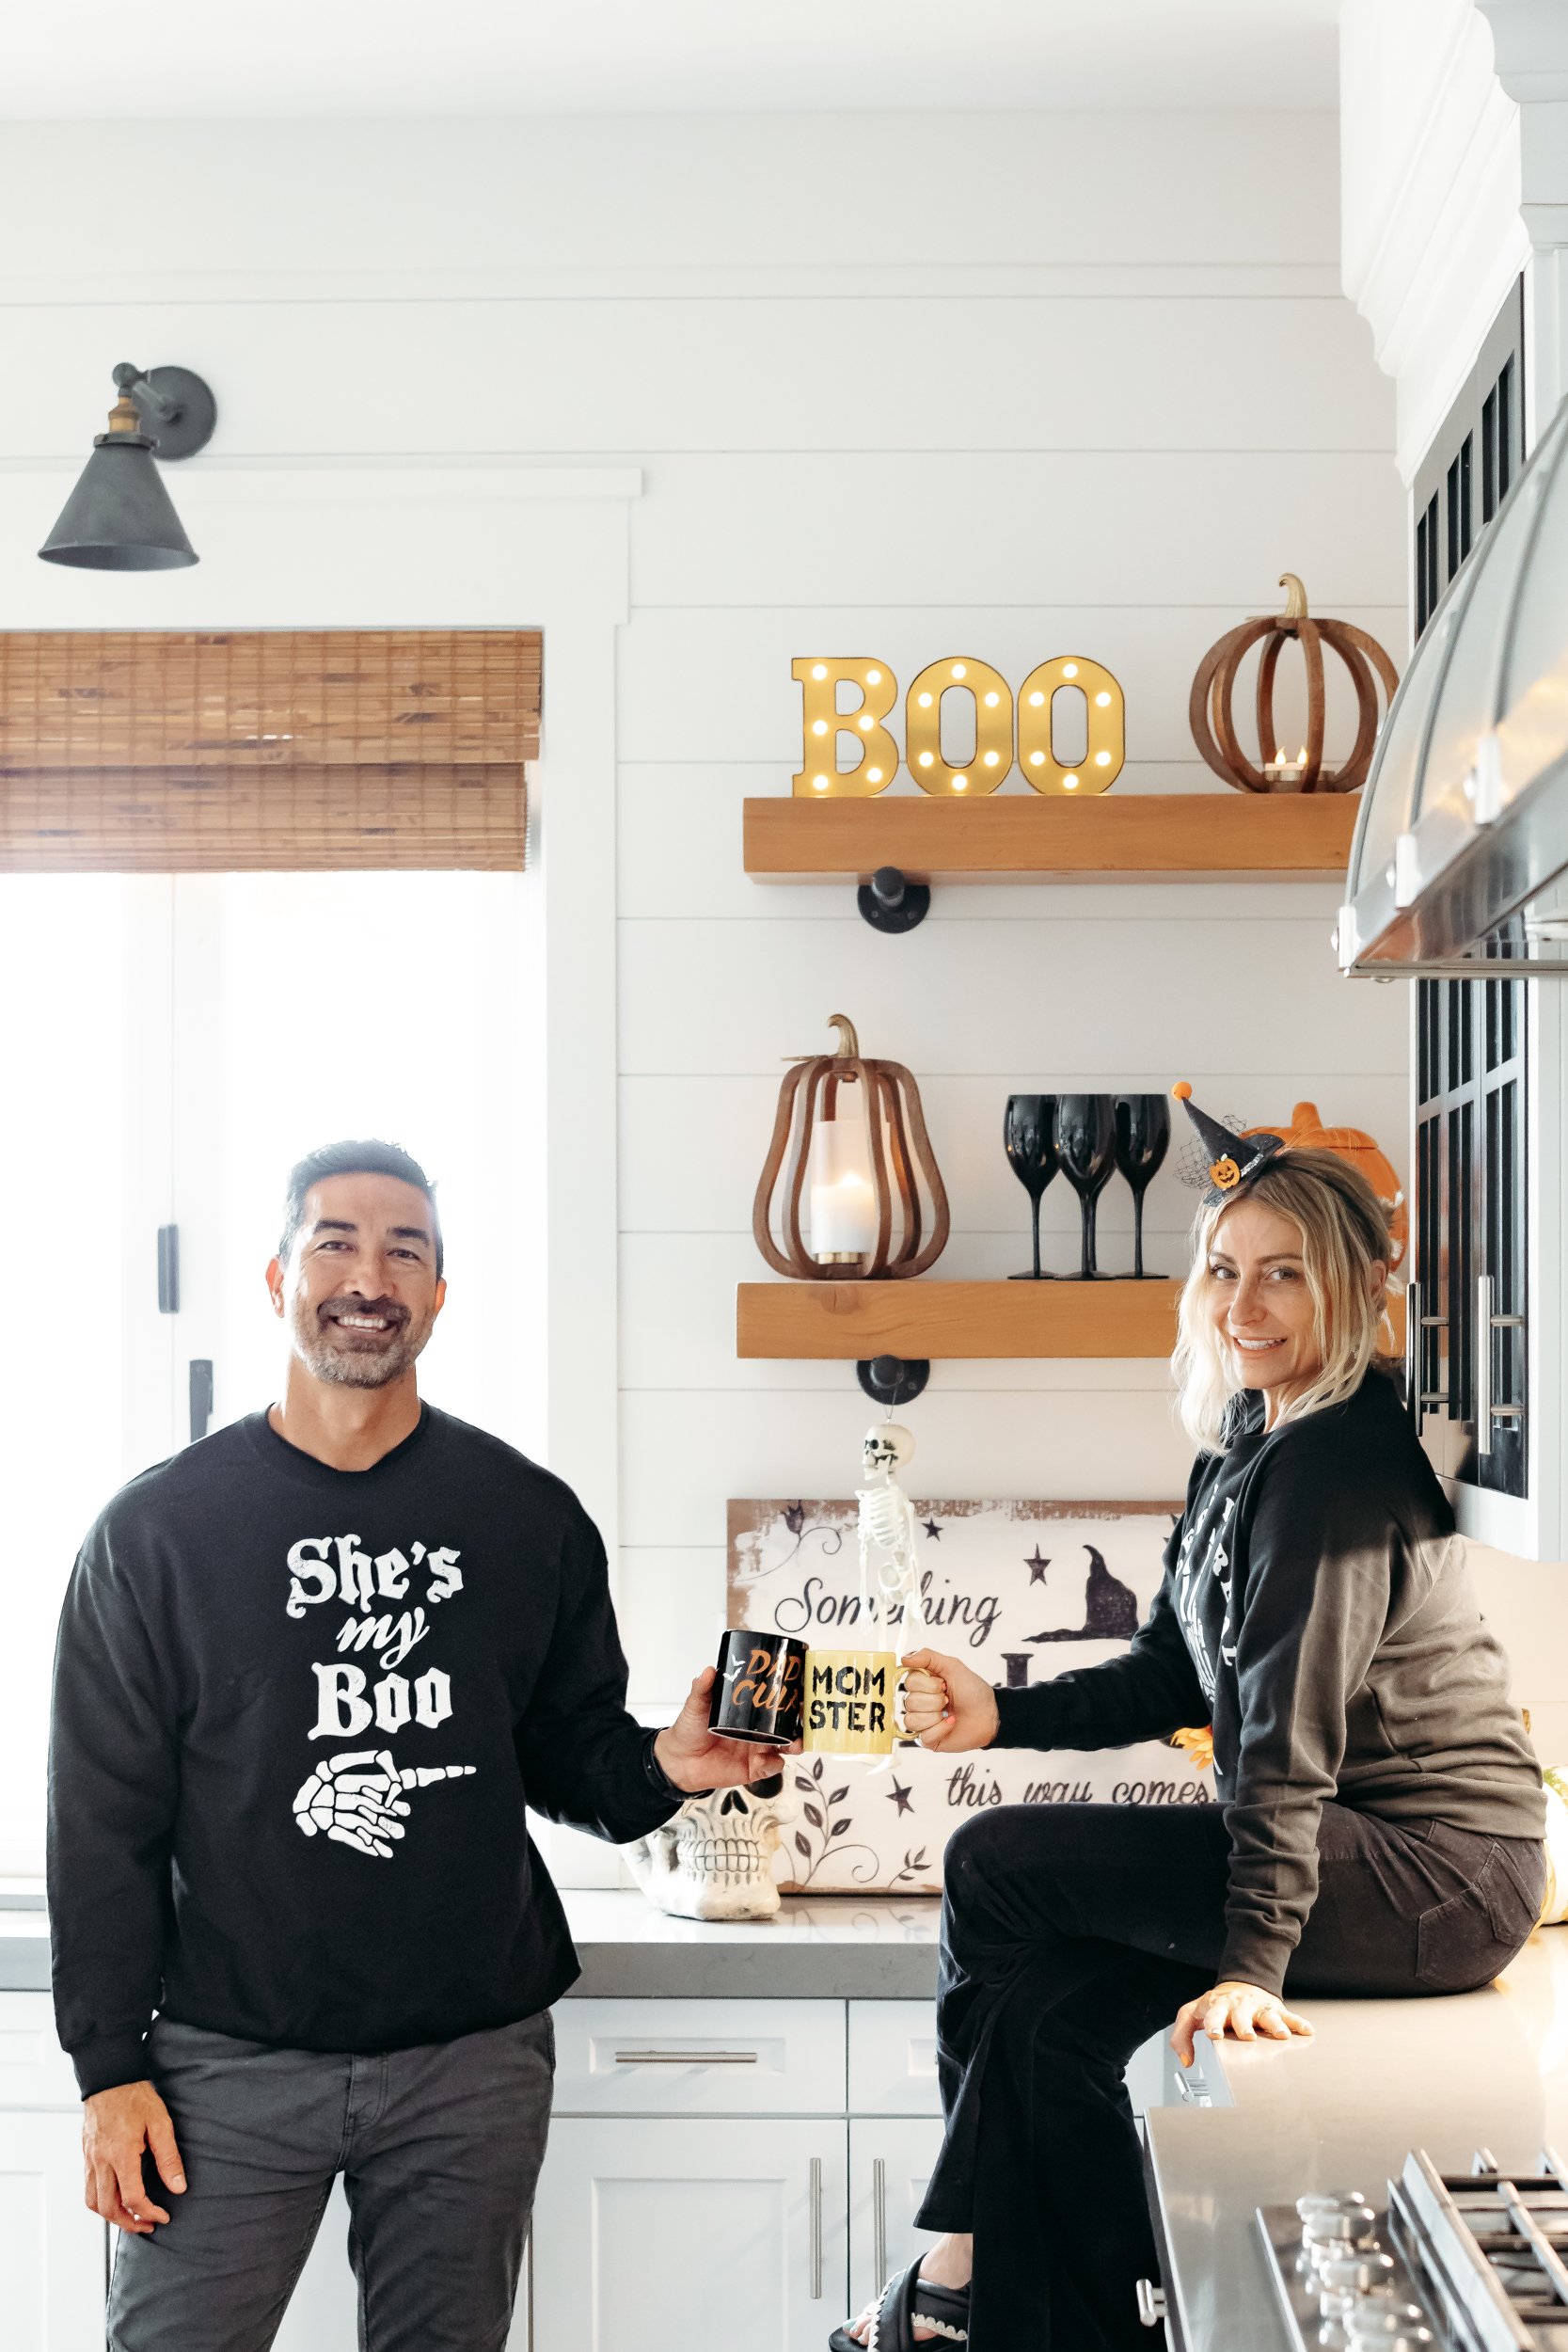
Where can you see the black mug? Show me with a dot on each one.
(759, 1694)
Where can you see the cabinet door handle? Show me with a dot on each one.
(1152, 2304)
(878, 2223)
(685, 2057)
(815, 2218)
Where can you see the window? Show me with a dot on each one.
(1469, 1270)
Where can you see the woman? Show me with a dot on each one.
(1381, 1816)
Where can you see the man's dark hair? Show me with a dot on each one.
(354, 1159)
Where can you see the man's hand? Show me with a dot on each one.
(117, 2126)
(946, 1705)
(695, 1757)
(1243, 2010)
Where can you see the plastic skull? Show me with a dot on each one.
(885, 1449)
(715, 1859)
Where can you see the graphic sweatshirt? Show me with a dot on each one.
(298, 1715)
(1315, 1609)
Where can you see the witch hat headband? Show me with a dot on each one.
(1233, 1160)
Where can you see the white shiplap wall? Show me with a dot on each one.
(1007, 386)
(1107, 459)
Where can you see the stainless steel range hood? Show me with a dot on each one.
(1460, 861)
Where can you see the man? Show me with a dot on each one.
(309, 1674)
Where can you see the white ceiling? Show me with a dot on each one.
(222, 58)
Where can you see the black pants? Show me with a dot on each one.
(1069, 1934)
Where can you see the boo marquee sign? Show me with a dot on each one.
(1101, 713)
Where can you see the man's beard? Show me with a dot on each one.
(353, 1359)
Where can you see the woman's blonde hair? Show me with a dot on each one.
(1344, 1237)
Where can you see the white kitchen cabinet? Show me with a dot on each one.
(52, 2250)
(663, 2232)
(892, 2058)
(891, 2159)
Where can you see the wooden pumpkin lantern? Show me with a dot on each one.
(850, 1134)
(1361, 1151)
(1213, 724)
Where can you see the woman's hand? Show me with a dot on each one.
(695, 1757)
(1243, 2010)
(946, 1705)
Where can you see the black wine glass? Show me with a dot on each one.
(1087, 1150)
(1143, 1138)
(1029, 1133)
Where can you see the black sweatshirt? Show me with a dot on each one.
(299, 1714)
(1316, 1609)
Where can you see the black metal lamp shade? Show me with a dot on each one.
(119, 518)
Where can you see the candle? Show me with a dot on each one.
(1282, 771)
(843, 1197)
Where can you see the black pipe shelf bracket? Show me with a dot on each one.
(891, 903)
(893, 1379)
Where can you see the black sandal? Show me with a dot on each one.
(905, 2302)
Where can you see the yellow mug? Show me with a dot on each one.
(851, 1702)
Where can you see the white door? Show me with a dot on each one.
(668, 2234)
(889, 2162)
(52, 2251)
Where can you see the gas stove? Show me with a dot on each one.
(1470, 2263)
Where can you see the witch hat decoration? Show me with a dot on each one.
(1232, 1159)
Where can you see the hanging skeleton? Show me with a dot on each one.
(887, 1531)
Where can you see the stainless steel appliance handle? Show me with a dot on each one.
(685, 2057)
(1413, 1352)
(1483, 1363)
(879, 2224)
(817, 2229)
(1152, 2304)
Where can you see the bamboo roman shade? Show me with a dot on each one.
(132, 752)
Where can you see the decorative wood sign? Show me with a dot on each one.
(1019, 1591)
(876, 759)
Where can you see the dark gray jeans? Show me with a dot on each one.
(440, 2149)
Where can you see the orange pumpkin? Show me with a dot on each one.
(1362, 1153)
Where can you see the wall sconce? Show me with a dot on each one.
(850, 1136)
(119, 518)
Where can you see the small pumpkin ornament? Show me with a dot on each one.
(1363, 1152)
(1214, 722)
(853, 1131)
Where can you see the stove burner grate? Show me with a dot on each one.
(1482, 2255)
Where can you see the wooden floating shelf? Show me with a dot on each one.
(922, 1318)
(851, 1321)
(1150, 836)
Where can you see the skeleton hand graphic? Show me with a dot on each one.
(356, 1799)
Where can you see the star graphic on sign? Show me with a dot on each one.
(932, 1529)
(901, 1798)
(1037, 1567)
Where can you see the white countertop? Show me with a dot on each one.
(821, 1948)
(1486, 2068)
